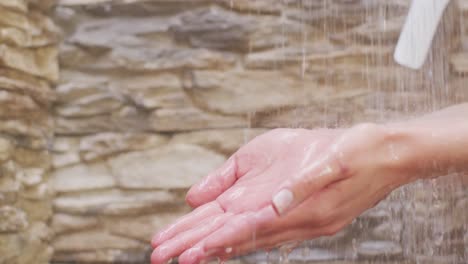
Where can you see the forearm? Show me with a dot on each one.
(435, 144)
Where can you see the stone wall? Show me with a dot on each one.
(155, 94)
(28, 69)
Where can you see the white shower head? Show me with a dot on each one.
(418, 32)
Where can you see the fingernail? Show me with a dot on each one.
(283, 200)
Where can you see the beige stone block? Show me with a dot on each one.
(73, 56)
(320, 52)
(19, 82)
(17, 5)
(66, 144)
(166, 59)
(31, 176)
(92, 105)
(80, 126)
(65, 223)
(41, 62)
(11, 246)
(38, 193)
(114, 203)
(243, 92)
(32, 158)
(170, 167)
(258, 6)
(122, 31)
(373, 249)
(38, 206)
(339, 15)
(6, 149)
(147, 59)
(152, 91)
(60, 160)
(191, 118)
(14, 105)
(36, 131)
(221, 29)
(389, 230)
(12, 219)
(38, 253)
(9, 189)
(459, 62)
(65, 151)
(143, 227)
(376, 30)
(82, 177)
(140, 255)
(225, 141)
(17, 37)
(92, 240)
(103, 145)
(19, 20)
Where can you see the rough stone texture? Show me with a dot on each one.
(225, 141)
(13, 219)
(373, 249)
(82, 177)
(28, 70)
(154, 94)
(171, 167)
(107, 144)
(239, 92)
(114, 202)
(136, 227)
(80, 241)
(62, 223)
(5, 149)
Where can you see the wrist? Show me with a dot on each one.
(429, 147)
(400, 154)
(385, 149)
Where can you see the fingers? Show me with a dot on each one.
(238, 236)
(185, 240)
(187, 222)
(198, 255)
(193, 255)
(240, 228)
(312, 179)
(274, 240)
(266, 241)
(214, 184)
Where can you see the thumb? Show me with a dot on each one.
(312, 179)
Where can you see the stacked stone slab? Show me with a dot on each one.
(28, 70)
(155, 94)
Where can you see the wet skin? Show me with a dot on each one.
(330, 176)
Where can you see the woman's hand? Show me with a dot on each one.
(286, 185)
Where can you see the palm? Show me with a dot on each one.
(243, 185)
(265, 163)
(334, 177)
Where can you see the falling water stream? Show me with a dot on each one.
(424, 219)
(420, 222)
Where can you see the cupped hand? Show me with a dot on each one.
(286, 185)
